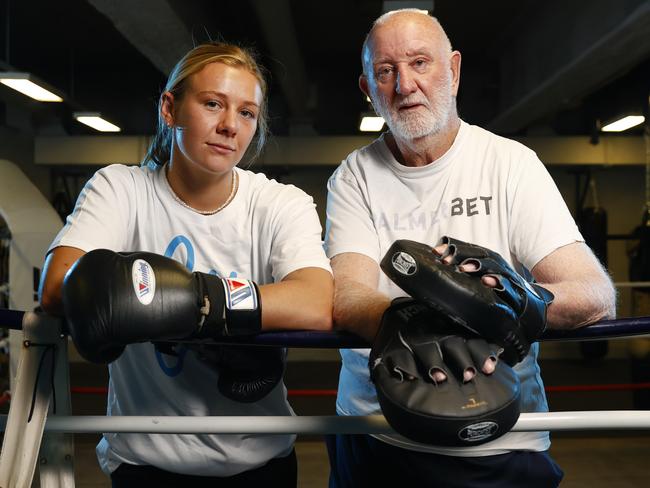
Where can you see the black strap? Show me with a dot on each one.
(47, 348)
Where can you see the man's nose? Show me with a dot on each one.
(405, 81)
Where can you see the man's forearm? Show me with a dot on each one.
(579, 303)
(583, 290)
(358, 308)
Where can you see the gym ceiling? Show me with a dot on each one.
(550, 68)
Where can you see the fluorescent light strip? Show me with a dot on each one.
(31, 89)
(371, 124)
(624, 124)
(95, 121)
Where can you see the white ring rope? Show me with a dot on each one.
(374, 424)
(24, 445)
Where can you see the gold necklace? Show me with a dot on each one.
(234, 185)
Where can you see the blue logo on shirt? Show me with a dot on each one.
(181, 350)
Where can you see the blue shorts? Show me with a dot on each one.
(359, 461)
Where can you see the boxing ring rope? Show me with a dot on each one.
(622, 328)
(25, 445)
(320, 425)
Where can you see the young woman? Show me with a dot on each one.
(190, 202)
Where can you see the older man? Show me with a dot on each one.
(431, 175)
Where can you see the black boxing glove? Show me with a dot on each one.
(513, 314)
(114, 299)
(246, 373)
(413, 343)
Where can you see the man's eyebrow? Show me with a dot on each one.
(419, 52)
(410, 54)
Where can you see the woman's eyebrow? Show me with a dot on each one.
(220, 94)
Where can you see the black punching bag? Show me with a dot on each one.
(592, 222)
(593, 226)
(640, 271)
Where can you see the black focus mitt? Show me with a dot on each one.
(414, 342)
(512, 315)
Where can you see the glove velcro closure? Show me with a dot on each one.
(243, 307)
(453, 412)
(230, 307)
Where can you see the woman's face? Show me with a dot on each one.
(216, 118)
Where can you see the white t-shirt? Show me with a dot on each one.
(485, 190)
(266, 232)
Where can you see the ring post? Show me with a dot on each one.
(43, 347)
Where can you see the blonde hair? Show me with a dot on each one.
(194, 61)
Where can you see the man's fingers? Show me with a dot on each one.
(440, 249)
(468, 267)
(483, 354)
(471, 266)
(438, 376)
(490, 365)
(490, 281)
(468, 374)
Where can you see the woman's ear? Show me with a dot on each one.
(167, 108)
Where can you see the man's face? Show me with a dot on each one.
(410, 77)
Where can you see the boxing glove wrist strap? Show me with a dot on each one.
(243, 308)
(231, 307)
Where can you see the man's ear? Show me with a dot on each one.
(455, 71)
(363, 85)
(167, 108)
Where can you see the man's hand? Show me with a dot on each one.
(460, 284)
(430, 383)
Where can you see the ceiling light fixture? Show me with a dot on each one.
(371, 123)
(29, 85)
(95, 120)
(624, 123)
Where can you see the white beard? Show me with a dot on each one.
(427, 120)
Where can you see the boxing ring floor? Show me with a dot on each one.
(312, 459)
